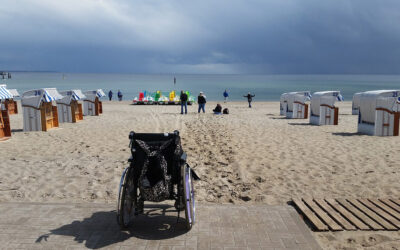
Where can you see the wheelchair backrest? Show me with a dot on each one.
(171, 153)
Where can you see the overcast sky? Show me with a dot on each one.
(207, 36)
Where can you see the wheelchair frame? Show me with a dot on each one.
(128, 205)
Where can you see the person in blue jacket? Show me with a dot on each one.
(226, 95)
(119, 95)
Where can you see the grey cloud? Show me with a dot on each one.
(253, 36)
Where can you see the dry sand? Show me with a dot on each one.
(250, 156)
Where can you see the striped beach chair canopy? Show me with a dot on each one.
(5, 93)
(92, 94)
(77, 95)
(71, 95)
(98, 92)
(35, 97)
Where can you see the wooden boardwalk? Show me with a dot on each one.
(350, 214)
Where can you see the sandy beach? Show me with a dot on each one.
(249, 156)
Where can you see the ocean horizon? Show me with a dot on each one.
(265, 87)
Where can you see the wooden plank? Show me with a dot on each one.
(347, 215)
(323, 215)
(397, 201)
(393, 221)
(396, 124)
(371, 223)
(43, 116)
(386, 208)
(310, 215)
(386, 225)
(335, 215)
(391, 204)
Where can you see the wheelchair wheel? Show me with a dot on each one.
(125, 209)
(188, 194)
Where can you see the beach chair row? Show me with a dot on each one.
(44, 109)
(378, 110)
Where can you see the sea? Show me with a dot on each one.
(265, 87)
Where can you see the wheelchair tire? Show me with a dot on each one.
(125, 209)
(188, 195)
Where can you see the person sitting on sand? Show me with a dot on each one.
(249, 98)
(218, 109)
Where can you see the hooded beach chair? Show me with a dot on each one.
(5, 129)
(293, 104)
(69, 109)
(323, 110)
(9, 102)
(379, 113)
(92, 104)
(39, 112)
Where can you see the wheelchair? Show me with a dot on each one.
(157, 171)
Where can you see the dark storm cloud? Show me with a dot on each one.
(279, 36)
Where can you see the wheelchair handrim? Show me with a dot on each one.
(189, 195)
(192, 197)
(120, 187)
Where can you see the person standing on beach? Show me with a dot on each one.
(249, 98)
(119, 95)
(201, 100)
(183, 99)
(110, 94)
(226, 95)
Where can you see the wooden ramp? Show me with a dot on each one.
(350, 214)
